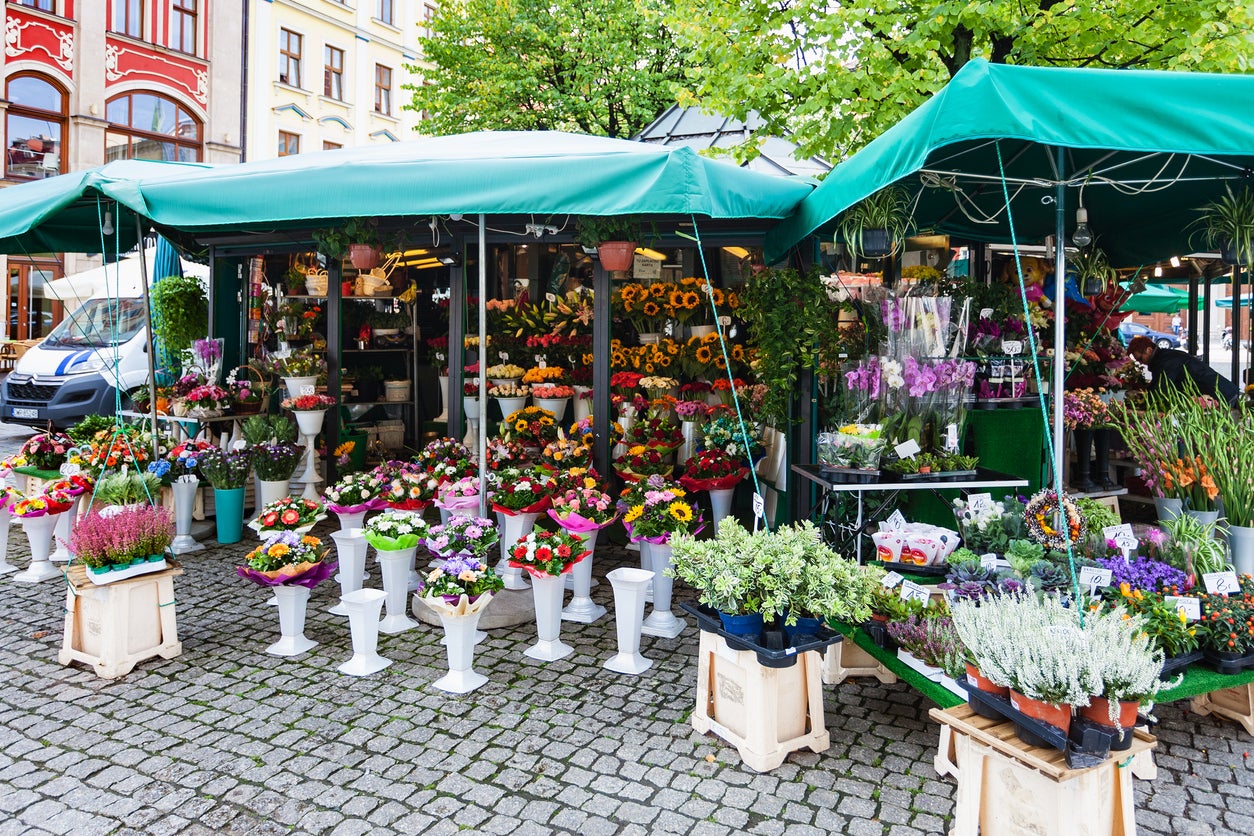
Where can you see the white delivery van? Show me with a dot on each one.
(99, 349)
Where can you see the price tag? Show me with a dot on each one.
(69, 469)
(1012, 347)
(239, 444)
(913, 591)
(951, 437)
(504, 356)
(550, 297)
(724, 320)
(1191, 607)
(988, 561)
(542, 363)
(986, 313)
(891, 580)
(980, 502)
(895, 522)
(1221, 583)
(907, 449)
(1122, 535)
(307, 389)
(759, 506)
(1094, 578)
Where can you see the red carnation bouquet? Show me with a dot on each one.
(545, 552)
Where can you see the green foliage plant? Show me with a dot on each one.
(1227, 224)
(127, 488)
(180, 312)
(888, 209)
(85, 430)
(593, 230)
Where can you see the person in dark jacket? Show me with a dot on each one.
(1169, 365)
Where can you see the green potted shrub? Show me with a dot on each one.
(1093, 273)
(359, 239)
(180, 312)
(1227, 224)
(877, 225)
(613, 236)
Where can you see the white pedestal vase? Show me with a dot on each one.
(662, 622)
(1241, 548)
(510, 405)
(582, 608)
(362, 608)
(62, 533)
(397, 566)
(513, 527)
(348, 522)
(583, 406)
(629, 585)
(646, 563)
(350, 551)
(461, 622)
(184, 488)
(626, 418)
(691, 432)
(471, 409)
(443, 416)
(720, 503)
(269, 490)
(555, 405)
(297, 386)
(547, 591)
(39, 534)
(310, 424)
(5, 519)
(293, 599)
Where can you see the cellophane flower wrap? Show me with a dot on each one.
(288, 558)
(544, 552)
(924, 399)
(583, 509)
(655, 509)
(409, 488)
(460, 575)
(46, 451)
(395, 530)
(530, 426)
(276, 462)
(72, 486)
(354, 493)
(712, 470)
(461, 495)
(463, 535)
(52, 502)
(288, 514)
(856, 446)
(518, 490)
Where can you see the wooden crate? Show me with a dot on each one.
(1231, 703)
(115, 626)
(764, 712)
(845, 659)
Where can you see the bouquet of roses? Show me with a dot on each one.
(530, 426)
(713, 470)
(470, 387)
(509, 390)
(583, 508)
(409, 489)
(463, 535)
(354, 493)
(308, 403)
(553, 392)
(565, 453)
(516, 490)
(291, 513)
(276, 462)
(625, 382)
(654, 509)
(206, 401)
(547, 374)
(286, 557)
(658, 431)
(544, 552)
(505, 371)
(459, 495)
(460, 575)
(47, 451)
(395, 530)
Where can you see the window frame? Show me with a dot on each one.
(185, 16)
(287, 139)
(132, 132)
(382, 92)
(390, 7)
(331, 73)
(288, 59)
(16, 108)
(122, 10)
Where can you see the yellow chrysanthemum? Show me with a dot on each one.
(311, 541)
(279, 549)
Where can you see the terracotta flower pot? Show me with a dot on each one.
(616, 255)
(363, 256)
(1058, 716)
(978, 681)
(1098, 710)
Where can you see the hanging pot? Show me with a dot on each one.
(363, 256)
(876, 243)
(616, 255)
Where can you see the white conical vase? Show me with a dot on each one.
(688, 449)
(350, 551)
(646, 563)
(459, 643)
(357, 519)
(443, 416)
(629, 585)
(513, 527)
(555, 405)
(5, 519)
(271, 490)
(62, 533)
(662, 622)
(510, 405)
(297, 386)
(184, 500)
(293, 600)
(547, 591)
(39, 534)
(720, 503)
(396, 566)
(583, 406)
(362, 607)
(471, 439)
(582, 608)
(310, 424)
(471, 407)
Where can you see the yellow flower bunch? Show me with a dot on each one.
(548, 374)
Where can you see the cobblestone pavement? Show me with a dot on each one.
(226, 739)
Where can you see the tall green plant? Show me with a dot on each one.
(180, 312)
(888, 209)
(1227, 223)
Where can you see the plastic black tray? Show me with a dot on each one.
(938, 570)
(1228, 663)
(1089, 744)
(783, 655)
(940, 474)
(1172, 665)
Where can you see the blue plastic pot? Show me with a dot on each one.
(229, 508)
(742, 625)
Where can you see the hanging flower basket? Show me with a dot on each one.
(617, 255)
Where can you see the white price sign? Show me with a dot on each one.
(1093, 578)
(1191, 607)
(911, 591)
(724, 320)
(980, 502)
(891, 580)
(907, 449)
(504, 356)
(896, 521)
(69, 469)
(1122, 535)
(986, 313)
(1221, 583)
(550, 297)
(307, 390)
(1012, 347)
(759, 506)
(988, 561)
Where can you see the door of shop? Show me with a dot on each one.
(31, 314)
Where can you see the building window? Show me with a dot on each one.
(333, 74)
(34, 126)
(128, 17)
(42, 5)
(183, 26)
(145, 126)
(382, 90)
(428, 15)
(289, 57)
(331, 146)
(289, 144)
(386, 12)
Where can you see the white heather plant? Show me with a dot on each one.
(1123, 664)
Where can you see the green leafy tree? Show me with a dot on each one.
(605, 67)
(838, 74)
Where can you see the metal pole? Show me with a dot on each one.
(1193, 314)
(1060, 307)
(1206, 319)
(602, 411)
(151, 346)
(1236, 324)
(335, 351)
(483, 364)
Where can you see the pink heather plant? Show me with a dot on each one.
(135, 531)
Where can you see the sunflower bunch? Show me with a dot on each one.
(684, 302)
(646, 308)
(530, 426)
(657, 507)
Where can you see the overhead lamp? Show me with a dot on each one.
(1158, 270)
(107, 226)
(1175, 261)
(1083, 236)
(650, 253)
(448, 261)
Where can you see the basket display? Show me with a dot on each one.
(253, 381)
(852, 447)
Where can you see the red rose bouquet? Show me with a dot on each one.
(713, 470)
(291, 513)
(548, 552)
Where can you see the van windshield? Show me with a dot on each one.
(99, 323)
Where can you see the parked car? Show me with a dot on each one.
(1128, 330)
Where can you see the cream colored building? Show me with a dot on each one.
(326, 74)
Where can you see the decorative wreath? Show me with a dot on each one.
(1039, 515)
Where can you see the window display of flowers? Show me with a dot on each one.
(354, 493)
(286, 557)
(291, 513)
(308, 403)
(460, 575)
(531, 426)
(853, 446)
(517, 490)
(395, 530)
(713, 470)
(510, 390)
(506, 371)
(553, 392)
(276, 462)
(475, 536)
(544, 374)
(724, 433)
(46, 451)
(546, 552)
(136, 533)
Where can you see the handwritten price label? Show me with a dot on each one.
(307, 390)
(1191, 607)
(980, 502)
(550, 297)
(724, 321)
(1012, 347)
(1094, 578)
(69, 469)
(986, 313)
(1221, 583)
(895, 521)
(759, 506)
(891, 580)
(988, 561)
(911, 591)
(1122, 535)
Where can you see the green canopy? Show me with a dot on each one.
(537, 173)
(66, 213)
(1141, 148)
(1159, 299)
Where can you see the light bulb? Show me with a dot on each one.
(1083, 236)
(107, 226)
(1158, 271)
(1175, 261)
